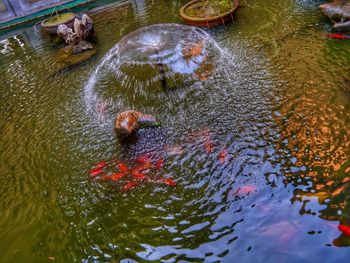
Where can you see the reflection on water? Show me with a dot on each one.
(259, 154)
(314, 121)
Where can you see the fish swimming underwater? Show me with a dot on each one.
(344, 229)
(223, 155)
(145, 170)
(338, 36)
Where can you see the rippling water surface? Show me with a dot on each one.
(259, 153)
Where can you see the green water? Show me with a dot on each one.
(283, 117)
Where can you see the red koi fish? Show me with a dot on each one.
(143, 159)
(139, 176)
(209, 146)
(96, 171)
(139, 171)
(100, 164)
(222, 156)
(344, 229)
(168, 181)
(122, 167)
(159, 164)
(117, 176)
(141, 168)
(338, 36)
(104, 178)
(113, 177)
(98, 168)
(129, 186)
(244, 190)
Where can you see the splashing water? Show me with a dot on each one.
(155, 55)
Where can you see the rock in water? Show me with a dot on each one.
(342, 26)
(67, 34)
(339, 14)
(77, 40)
(84, 28)
(130, 121)
(73, 40)
(66, 57)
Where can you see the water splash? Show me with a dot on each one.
(158, 55)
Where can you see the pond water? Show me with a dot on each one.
(260, 154)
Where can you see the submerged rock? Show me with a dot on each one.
(66, 57)
(128, 122)
(339, 14)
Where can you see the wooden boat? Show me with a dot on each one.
(207, 21)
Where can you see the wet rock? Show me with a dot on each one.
(67, 34)
(77, 49)
(73, 40)
(78, 39)
(65, 60)
(84, 28)
(339, 14)
(130, 121)
(67, 57)
(342, 26)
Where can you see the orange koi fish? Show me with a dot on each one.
(139, 176)
(113, 177)
(122, 167)
(338, 36)
(104, 178)
(129, 186)
(96, 171)
(117, 176)
(98, 168)
(159, 164)
(101, 164)
(244, 190)
(222, 156)
(143, 159)
(141, 168)
(139, 171)
(209, 146)
(344, 229)
(168, 181)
